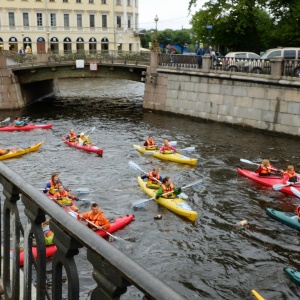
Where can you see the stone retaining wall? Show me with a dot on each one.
(259, 101)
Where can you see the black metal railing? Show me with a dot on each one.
(112, 271)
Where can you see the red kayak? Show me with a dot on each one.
(93, 149)
(267, 180)
(115, 225)
(26, 127)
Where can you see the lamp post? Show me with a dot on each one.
(155, 47)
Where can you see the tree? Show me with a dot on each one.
(182, 38)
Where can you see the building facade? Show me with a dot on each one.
(41, 26)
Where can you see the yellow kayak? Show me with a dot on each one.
(176, 157)
(177, 205)
(19, 152)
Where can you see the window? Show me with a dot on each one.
(91, 1)
(11, 19)
(103, 2)
(79, 20)
(289, 54)
(66, 20)
(119, 23)
(128, 2)
(273, 54)
(129, 22)
(92, 21)
(53, 20)
(78, 1)
(66, 1)
(130, 47)
(104, 21)
(25, 19)
(39, 19)
(118, 2)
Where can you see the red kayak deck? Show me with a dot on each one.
(26, 127)
(93, 149)
(267, 180)
(115, 225)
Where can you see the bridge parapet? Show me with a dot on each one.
(112, 270)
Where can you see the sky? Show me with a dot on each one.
(171, 14)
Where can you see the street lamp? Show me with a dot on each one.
(155, 47)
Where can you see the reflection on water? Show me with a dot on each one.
(207, 259)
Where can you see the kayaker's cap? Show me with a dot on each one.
(158, 217)
(82, 133)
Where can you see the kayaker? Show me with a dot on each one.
(64, 198)
(52, 185)
(72, 136)
(154, 178)
(166, 148)
(18, 122)
(48, 234)
(96, 218)
(266, 169)
(167, 189)
(150, 144)
(4, 151)
(290, 176)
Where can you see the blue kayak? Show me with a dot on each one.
(294, 275)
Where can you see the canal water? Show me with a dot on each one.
(207, 259)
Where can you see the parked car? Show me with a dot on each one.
(239, 61)
(291, 55)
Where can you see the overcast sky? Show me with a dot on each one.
(172, 14)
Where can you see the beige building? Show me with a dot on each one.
(69, 25)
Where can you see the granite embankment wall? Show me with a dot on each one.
(260, 101)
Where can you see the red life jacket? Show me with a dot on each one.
(151, 177)
(150, 143)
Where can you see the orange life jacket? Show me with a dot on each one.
(291, 177)
(264, 170)
(150, 143)
(167, 189)
(289, 174)
(48, 233)
(151, 177)
(3, 151)
(298, 211)
(54, 185)
(72, 136)
(63, 194)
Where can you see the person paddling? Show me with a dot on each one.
(166, 148)
(266, 169)
(96, 218)
(64, 198)
(72, 136)
(167, 189)
(84, 140)
(18, 122)
(290, 176)
(4, 151)
(154, 178)
(52, 185)
(150, 144)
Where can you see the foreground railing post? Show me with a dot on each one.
(67, 247)
(111, 285)
(34, 228)
(11, 218)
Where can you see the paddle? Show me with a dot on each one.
(279, 186)
(295, 191)
(188, 149)
(100, 228)
(134, 166)
(246, 161)
(6, 120)
(140, 203)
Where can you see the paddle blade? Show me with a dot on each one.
(246, 161)
(140, 203)
(278, 187)
(134, 166)
(295, 191)
(6, 120)
(183, 196)
(83, 190)
(189, 149)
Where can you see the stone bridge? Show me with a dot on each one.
(29, 78)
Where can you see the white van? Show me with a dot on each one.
(291, 55)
